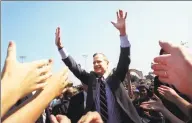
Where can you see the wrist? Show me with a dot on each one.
(123, 33)
(176, 97)
(50, 92)
(10, 89)
(163, 110)
(59, 46)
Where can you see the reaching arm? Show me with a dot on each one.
(34, 107)
(159, 107)
(8, 97)
(75, 68)
(124, 58)
(171, 95)
(128, 85)
(182, 104)
(170, 116)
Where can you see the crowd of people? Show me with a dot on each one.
(31, 93)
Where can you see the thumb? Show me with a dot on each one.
(11, 50)
(113, 23)
(167, 46)
(53, 119)
(156, 97)
(62, 119)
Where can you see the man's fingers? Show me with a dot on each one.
(164, 79)
(125, 15)
(161, 73)
(121, 13)
(88, 119)
(44, 69)
(44, 77)
(166, 46)
(40, 85)
(145, 106)
(65, 71)
(162, 59)
(157, 67)
(117, 15)
(162, 89)
(11, 51)
(64, 75)
(165, 87)
(57, 34)
(91, 117)
(145, 103)
(41, 63)
(114, 24)
(53, 119)
(63, 119)
(156, 97)
(82, 119)
(58, 30)
(161, 93)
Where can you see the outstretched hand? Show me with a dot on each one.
(91, 117)
(58, 38)
(175, 67)
(168, 93)
(155, 105)
(26, 77)
(121, 25)
(59, 119)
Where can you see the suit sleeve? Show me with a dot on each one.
(124, 59)
(75, 68)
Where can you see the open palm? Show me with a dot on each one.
(155, 105)
(58, 38)
(120, 25)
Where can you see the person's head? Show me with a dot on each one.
(100, 63)
(69, 93)
(136, 94)
(60, 96)
(143, 91)
(82, 87)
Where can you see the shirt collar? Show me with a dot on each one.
(106, 74)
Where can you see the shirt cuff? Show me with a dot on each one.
(124, 41)
(63, 53)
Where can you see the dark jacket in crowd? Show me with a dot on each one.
(76, 107)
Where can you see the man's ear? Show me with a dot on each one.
(107, 62)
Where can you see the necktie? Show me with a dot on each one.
(103, 101)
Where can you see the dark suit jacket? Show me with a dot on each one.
(76, 107)
(127, 111)
(61, 108)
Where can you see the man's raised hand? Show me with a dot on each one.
(120, 25)
(58, 38)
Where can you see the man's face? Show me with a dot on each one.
(143, 92)
(100, 64)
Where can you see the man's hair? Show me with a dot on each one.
(105, 58)
(79, 88)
